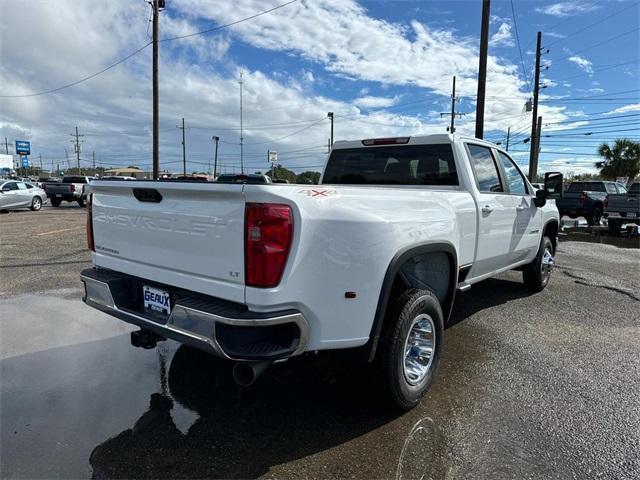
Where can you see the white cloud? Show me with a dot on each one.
(583, 63)
(502, 37)
(565, 9)
(627, 108)
(596, 90)
(375, 102)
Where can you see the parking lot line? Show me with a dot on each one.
(59, 231)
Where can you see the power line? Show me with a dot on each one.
(82, 79)
(93, 75)
(515, 25)
(609, 67)
(209, 30)
(599, 44)
(593, 24)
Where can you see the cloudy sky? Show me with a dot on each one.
(384, 68)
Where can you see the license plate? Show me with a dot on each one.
(58, 195)
(156, 300)
(630, 215)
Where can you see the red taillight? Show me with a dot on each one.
(268, 233)
(386, 141)
(606, 201)
(90, 244)
(583, 198)
(72, 187)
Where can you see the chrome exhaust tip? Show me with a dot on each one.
(246, 373)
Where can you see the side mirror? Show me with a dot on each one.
(553, 185)
(540, 200)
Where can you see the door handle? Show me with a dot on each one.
(487, 209)
(520, 208)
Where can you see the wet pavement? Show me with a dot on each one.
(542, 386)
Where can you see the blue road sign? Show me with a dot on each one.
(23, 148)
(25, 161)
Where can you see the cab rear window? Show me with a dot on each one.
(392, 165)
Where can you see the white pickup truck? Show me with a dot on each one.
(369, 260)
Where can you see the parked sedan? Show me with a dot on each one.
(16, 194)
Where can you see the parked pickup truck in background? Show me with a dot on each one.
(586, 199)
(369, 260)
(621, 208)
(71, 189)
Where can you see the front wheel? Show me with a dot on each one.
(36, 204)
(536, 275)
(595, 217)
(614, 226)
(411, 346)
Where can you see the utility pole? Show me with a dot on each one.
(184, 151)
(77, 143)
(156, 5)
(482, 68)
(6, 145)
(508, 135)
(534, 115)
(241, 130)
(51, 172)
(215, 157)
(40, 163)
(533, 166)
(66, 156)
(94, 162)
(330, 115)
(451, 128)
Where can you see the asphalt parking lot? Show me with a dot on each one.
(542, 386)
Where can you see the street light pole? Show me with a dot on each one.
(330, 115)
(215, 161)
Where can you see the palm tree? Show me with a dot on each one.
(623, 160)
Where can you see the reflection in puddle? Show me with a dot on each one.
(628, 238)
(420, 456)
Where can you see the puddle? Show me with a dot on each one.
(627, 238)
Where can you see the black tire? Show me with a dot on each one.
(82, 202)
(398, 324)
(595, 217)
(55, 202)
(36, 203)
(534, 276)
(614, 226)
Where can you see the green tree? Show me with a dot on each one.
(308, 178)
(621, 160)
(282, 173)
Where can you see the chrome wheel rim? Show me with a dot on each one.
(36, 203)
(419, 349)
(547, 264)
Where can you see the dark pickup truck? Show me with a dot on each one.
(621, 208)
(586, 199)
(71, 189)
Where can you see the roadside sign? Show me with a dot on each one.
(273, 156)
(23, 147)
(25, 161)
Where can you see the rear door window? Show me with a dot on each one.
(611, 188)
(392, 165)
(485, 169)
(22, 186)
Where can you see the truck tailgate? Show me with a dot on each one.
(190, 236)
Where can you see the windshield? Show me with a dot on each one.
(392, 165)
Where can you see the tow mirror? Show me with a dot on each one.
(553, 185)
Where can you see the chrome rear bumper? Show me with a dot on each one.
(222, 328)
